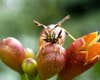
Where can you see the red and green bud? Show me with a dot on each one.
(50, 60)
(12, 53)
(29, 66)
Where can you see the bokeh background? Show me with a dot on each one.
(16, 20)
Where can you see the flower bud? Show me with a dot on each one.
(50, 60)
(29, 65)
(12, 53)
(29, 53)
(81, 55)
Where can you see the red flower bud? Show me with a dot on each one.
(50, 60)
(80, 56)
(12, 53)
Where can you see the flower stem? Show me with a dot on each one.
(24, 76)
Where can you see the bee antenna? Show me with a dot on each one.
(63, 20)
(39, 24)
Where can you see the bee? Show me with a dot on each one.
(53, 33)
(51, 54)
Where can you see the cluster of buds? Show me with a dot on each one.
(52, 58)
(14, 55)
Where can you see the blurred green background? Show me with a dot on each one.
(16, 20)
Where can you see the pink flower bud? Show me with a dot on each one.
(12, 53)
(50, 60)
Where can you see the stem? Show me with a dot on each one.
(29, 77)
(24, 76)
(37, 77)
